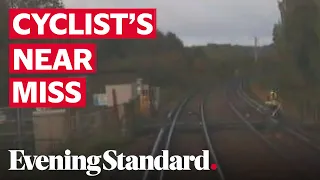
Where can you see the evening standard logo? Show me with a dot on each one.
(108, 161)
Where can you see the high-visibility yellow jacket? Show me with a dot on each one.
(273, 96)
(272, 99)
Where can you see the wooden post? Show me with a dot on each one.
(115, 104)
(151, 99)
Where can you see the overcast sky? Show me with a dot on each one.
(204, 21)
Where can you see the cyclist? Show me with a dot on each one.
(273, 103)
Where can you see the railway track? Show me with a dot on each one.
(237, 145)
(181, 142)
(290, 146)
(242, 146)
(290, 128)
(242, 154)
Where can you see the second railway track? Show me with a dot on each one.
(301, 155)
(242, 154)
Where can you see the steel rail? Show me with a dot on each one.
(208, 140)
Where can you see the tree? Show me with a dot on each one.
(298, 35)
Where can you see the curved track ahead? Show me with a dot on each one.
(236, 135)
(187, 135)
(292, 147)
(241, 152)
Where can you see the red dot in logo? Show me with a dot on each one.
(213, 166)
